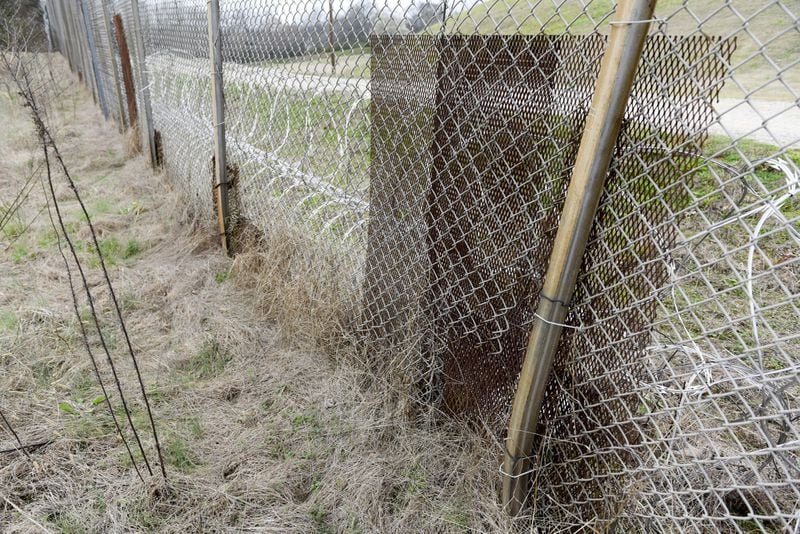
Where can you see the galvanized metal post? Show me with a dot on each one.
(612, 90)
(83, 42)
(114, 67)
(48, 29)
(65, 44)
(218, 107)
(145, 89)
(75, 44)
(331, 36)
(101, 93)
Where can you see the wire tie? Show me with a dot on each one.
(515, 459)
(554, 301)
(562, 325)
(620, 22)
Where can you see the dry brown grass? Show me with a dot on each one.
(262, 429)
(303, 287)
(133, 146)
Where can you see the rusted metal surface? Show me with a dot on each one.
(500, 149)
(601, 361)
(127, 70)
(502, 117)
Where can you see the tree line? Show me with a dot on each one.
(262, 32)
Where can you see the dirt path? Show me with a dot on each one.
(258, 434)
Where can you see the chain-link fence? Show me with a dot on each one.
(424, 149)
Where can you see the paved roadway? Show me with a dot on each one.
(767, 121)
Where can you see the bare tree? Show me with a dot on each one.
(426, 14)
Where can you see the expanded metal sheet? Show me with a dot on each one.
(601, 363)
(505, 127)
(508, 124)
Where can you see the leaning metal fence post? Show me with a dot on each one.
(612, 90)
(114, 68)
(145, 89)
(218, 107)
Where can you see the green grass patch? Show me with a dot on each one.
(13, 229)
(132, 248)
(86, 425)
(774, 363)
(279, 451)
(209, 362)
(110, 249)
(84, 386)
(179, 454)
(458, 517)
(67, 522)
(100, 206)
(21, 252)
(46, 239)
(305, 421)
(195, 427)
(8, 321)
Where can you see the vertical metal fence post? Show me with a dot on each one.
(83, 49)
(218, 107)
(127, 72)
(145, 89)
(64, 45)
(48, 29)
(74, 43)
(612, 90)
(114, 68)
(331, 36)
(101, 93)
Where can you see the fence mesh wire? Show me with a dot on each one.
(426, 147)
